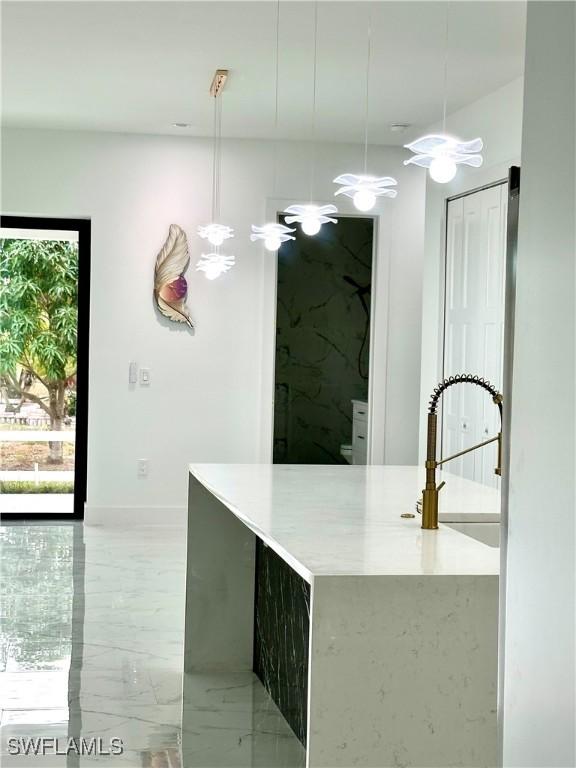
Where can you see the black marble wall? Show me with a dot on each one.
(281, 631)
(323, 339)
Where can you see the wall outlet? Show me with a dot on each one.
(145, 377)
(143, 467)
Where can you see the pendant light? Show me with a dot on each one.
(363, 188)
(440, 153)
(214, 263)
(273, 233)
(312, 216)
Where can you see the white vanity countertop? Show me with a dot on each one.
(345, 520)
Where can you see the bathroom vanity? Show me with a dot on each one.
(359, 431)
(357, 451)
(376, 640)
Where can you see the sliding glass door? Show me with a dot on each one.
(44, 264)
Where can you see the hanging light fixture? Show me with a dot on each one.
(215, 233)
(274, 234)
(214, 264)
(363, 188)
(440, 153)
(312, 216)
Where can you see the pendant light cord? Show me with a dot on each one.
(366, 106)
(216, 158)
(446, 44)
(314, 70)
(276, 110)
(219, 166)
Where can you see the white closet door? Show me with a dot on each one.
(474, 320)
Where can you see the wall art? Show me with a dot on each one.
(170, 286)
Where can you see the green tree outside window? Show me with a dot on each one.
(38, 324)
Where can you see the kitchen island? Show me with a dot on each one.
(377, 640)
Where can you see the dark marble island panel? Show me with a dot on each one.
(281, 632)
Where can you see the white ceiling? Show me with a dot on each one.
(142, 66)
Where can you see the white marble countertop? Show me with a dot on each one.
(345, 520)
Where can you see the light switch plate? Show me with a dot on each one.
(133, 372)
(145, 377)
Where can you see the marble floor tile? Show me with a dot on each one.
(165, 758)
(166, 680)
(52, 716)
(36, 690)
(229, 720)
(91, 645)
(132, 685)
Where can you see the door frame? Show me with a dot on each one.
(444, 262)
(444, 283)
(83, 228)
(378, 333)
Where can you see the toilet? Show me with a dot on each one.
(346, 452)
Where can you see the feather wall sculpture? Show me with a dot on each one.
(170, 286)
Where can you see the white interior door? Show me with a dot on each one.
(474, 326)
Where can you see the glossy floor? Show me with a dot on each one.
(91, 647)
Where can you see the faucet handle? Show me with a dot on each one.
(498, 470)
(419, 502)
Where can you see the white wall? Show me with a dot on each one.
(207, 401)
(539, 672)
(497, 119)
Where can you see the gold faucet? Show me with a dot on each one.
(430, 492)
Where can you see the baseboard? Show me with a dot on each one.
(131, 516)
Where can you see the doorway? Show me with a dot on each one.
(475, 264)
(322, 357)
(44, 325)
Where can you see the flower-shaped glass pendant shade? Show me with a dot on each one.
(273, 234)
(311, 217)
(215, 233)
(215, 264)
(442, 154)
(365, 189)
